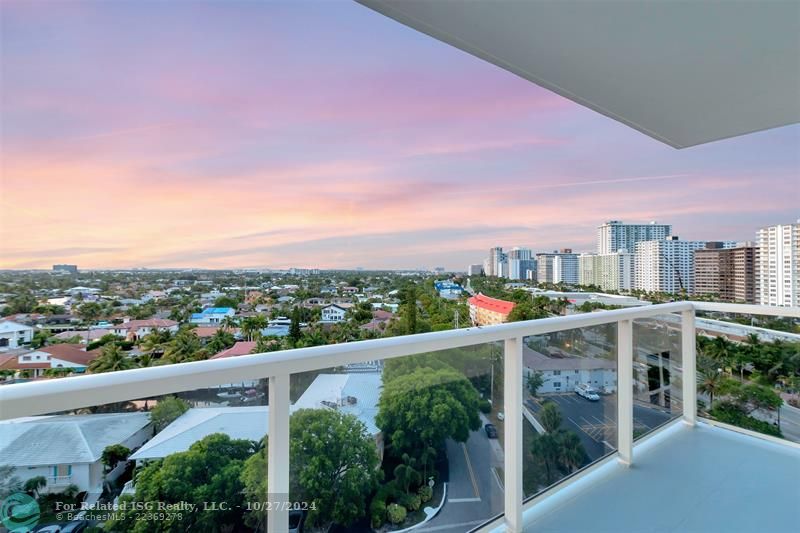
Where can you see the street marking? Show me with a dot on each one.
(465, 526)
(462, 500)
(471, 472)
(497, 478)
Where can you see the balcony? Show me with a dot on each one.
(652, 464)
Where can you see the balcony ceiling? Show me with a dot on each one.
(684, 73)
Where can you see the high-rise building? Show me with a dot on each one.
(778, 265)
(615, 235)
(520, 263)
(667, 265)
(68, 269)
(728, 273)
(610, 272)
(557, 267)
(474, 270)
(494, 263)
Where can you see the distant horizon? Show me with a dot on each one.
(225, 134)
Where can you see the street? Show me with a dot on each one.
(474, 493)
(596, 422)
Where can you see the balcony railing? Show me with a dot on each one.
(59, 395)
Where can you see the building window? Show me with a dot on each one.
(556, 372)
(557, 384)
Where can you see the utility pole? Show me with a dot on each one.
(455, 318)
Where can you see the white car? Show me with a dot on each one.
(587, 392)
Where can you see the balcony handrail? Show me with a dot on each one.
(42, 397)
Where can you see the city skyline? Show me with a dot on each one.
(324, 135)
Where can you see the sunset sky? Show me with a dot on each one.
(322, 134)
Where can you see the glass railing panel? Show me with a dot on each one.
(657, 372)
(749, 372)
(400, 442)
(179, 462)
(570, 405)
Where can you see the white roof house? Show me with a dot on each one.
(66, 449)
(248, 423)
(355, 394)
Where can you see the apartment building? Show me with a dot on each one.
(778, 265)
(615, 235)
(610, 272)
(560, 266)
(485, 311)
(668, 265)
(728, 273)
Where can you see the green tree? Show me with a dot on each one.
(111, 359)
(33, 485)
(221, 340)
(114, 454)
(167, 410)
(90, 312)
(9, 482)
(535, 382)
(185, 346)
(294, 329)
(334, 465)
(254, 479)
(209, 471)
(550, 417)
(424, 407)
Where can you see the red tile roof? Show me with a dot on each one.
(71, 353)
(491, 304)
(149, 323)
(240, 348)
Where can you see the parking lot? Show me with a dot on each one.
(596, 422)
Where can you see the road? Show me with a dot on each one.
(596, 422)
(474, 492)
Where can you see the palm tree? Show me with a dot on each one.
(550, 417)
(186, 346)
(111, 359)
(571, 454)
(722, 350)
(711, 381)
(229, 323)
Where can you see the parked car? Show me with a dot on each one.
(586, 391)
(490, 430)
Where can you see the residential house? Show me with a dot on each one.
(36, 362)
(335, 313)
(67, 449)
(14, 335)
(136, 329)
(212, 316)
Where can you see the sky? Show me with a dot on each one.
(249, 134)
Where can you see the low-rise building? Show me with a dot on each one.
(335, 312)
(212, 316)
(562, 373)
(14, 335)
(67, 449)
(36, 362)
(485, 311)
(136, 329)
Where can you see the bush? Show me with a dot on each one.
(733, 415)
(425, 493)
(396, 513)
(377, 513)
(413, 503)
(485, 407)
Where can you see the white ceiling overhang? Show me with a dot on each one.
(683, 72)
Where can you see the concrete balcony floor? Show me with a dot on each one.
(684, 479)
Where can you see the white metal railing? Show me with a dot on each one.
(37, 398)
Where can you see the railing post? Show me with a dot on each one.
(625, 391)
(278, 454)
(512, 402)
(689, 354)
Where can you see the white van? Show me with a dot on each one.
(586, 391)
